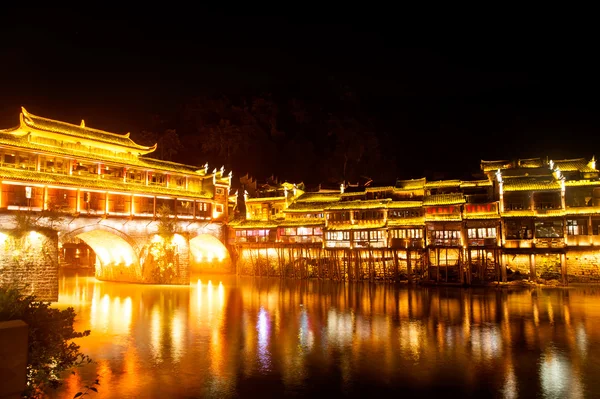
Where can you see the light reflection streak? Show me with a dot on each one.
(510, 390)
(374, 335)
(262, 326)
(155, 332)
(177, 329)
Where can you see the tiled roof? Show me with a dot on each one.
(570, 165)
(442, 183)
(537, 213)
(349, 226)
(140, 162)
(304, 207)
(436, 217)
(481, 215)
(416, 221)
(404, 204)
(265, 199)
(302, 222)
(444, 199)
(530, 163)
(386, 188)
(319, 197)
(67, 129)
(352, 194)
(370, 204)
(586, 210)
(488, 166)
(93, 183)
(476, 183)
(578, 183)
(530, 184)
(413, 184)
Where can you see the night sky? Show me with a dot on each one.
(449, 94)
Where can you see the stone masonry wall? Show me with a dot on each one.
(30, 262)
(583, 265)
(518, 263)
(547, 266)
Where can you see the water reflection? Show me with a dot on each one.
(226, 336)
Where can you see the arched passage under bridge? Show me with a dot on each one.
(209, 255)
(116, 254)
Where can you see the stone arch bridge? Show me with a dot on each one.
(117, 249)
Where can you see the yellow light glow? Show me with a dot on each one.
(157, 238)
(178, 239)
(110, 249)
(207, 248)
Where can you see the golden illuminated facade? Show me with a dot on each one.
(47, 164)
(104, 198)
(528, 219)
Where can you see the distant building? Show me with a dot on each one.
(528, 218)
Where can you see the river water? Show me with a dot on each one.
(227, 336)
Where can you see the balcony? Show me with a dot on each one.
(370, 244)
(482, 242)
(445, 242)
(518, 243)
(406, 243)
(301, 239)
(549, 242)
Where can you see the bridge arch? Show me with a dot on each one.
(209, 254)
(117, 256)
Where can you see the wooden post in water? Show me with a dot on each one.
(395, 255)
(446, 264)
(409, 265)
(438, 264)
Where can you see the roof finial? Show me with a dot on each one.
(592, 163)
(82, 123)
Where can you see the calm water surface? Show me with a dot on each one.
(241, 337)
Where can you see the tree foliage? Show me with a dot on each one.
(294, 138)
(51, 349)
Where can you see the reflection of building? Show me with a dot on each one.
(527, 218)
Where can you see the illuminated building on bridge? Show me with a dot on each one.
(111, 196)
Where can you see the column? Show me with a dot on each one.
(590, 230)
(532, 203)
(408, 265)
(78, 200)
(532, 272)
(45, 203)
(503, 266)
(563, 268)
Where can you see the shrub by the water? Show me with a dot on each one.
(51, 349)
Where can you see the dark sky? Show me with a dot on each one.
(450, 93)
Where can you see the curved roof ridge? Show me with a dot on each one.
(29, 119)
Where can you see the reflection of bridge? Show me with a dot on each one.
(95, 200)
